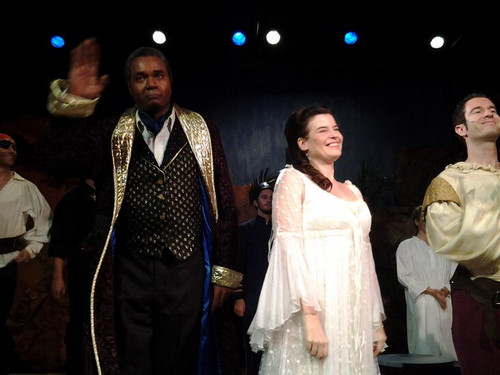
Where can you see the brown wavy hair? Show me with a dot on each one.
(295, 128)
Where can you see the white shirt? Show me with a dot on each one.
(428, 325)
(468, 233)
(20, 199)
(157, 144)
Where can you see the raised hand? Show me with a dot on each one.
(83, 77)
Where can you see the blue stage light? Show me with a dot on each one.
(239, 38)
(351, 37)
(57, 41)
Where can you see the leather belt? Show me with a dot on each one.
(8, 245)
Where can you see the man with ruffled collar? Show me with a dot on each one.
(462, 213)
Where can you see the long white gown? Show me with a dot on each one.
(428, 325)
(320, 255)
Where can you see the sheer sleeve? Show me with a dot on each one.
(287, 284)
(378, 312)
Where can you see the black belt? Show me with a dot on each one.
(8, 245)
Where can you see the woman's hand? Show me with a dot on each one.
(316, 340)
(379, 344)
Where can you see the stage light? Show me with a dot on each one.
(273, 37)
(437, 42)
(57, 41)
(239, 38)
(159, 37)
(350, 37)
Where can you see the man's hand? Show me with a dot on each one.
(239, 307)
(439, 295)
(58, 288)
(83, 77)
(220, 295)
(23, 256)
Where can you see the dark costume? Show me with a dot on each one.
(253, 238)
(73, 221)
(167, 231)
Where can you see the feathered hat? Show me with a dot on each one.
(263, 182)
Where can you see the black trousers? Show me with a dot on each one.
(79, 281)
(8, 275)
(158, 313)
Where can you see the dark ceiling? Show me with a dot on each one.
(311, 29)
(200, 34)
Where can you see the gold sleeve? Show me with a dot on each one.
(226, 277)
(440, 190)
(61, 103)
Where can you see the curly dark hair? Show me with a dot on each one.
(295, 128)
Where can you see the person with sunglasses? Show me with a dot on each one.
(25, 220)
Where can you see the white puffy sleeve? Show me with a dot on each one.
(287, 284)
(39, 210)
(406, 269)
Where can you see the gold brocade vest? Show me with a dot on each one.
(161, 211)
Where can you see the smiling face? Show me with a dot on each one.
(150, 85)
(482, 121)
(8, 151)
(323, 144)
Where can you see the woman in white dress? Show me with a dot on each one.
(320, 310)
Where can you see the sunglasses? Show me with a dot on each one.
(5, 143)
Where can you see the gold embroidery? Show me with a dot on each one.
(176, 154)
(198, 137)
(226, 277)
(61, 103)
(121, 146)
(440, 190)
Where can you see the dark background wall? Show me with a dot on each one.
(389, 92)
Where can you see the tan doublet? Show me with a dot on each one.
(462, 198)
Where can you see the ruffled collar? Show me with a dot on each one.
(463, 166)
